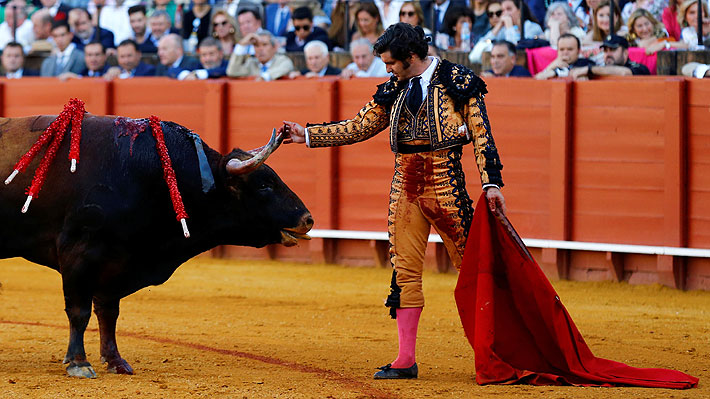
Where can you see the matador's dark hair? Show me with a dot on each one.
(403, 40)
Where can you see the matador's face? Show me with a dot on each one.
(397, 68)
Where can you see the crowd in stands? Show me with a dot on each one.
(203, 39)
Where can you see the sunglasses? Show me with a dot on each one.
(302, 27)
(407, 13)
(223, 23)
(498, 13)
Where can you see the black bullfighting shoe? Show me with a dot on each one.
(389, 373)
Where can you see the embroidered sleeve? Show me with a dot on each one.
(371, 119)
(485, 150)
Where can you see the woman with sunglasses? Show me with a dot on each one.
(224, 29)
(411, 13)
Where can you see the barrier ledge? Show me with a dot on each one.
(535, 243)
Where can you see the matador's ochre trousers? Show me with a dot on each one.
(428, 189)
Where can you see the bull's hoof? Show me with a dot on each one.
(119, 366)
(82, 370)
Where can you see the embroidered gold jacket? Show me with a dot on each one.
(453, 114)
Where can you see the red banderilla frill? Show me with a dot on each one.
(73, 113)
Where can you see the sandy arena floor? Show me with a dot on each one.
(221, 329)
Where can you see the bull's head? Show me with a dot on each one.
(266, 199)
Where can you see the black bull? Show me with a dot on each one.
(110, 229)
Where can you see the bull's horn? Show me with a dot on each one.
(236, 166)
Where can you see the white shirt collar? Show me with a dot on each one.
(67, 52)
(14, 75)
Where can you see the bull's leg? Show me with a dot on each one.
(107, 313)
(78, 308)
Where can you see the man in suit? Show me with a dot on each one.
(266, 65)
(160, 25)
(212, 62)
(129, 62)
(503, 61)
(95, 60)
(277, 17)
(13, 61)
(139, 25)
(304, 30)
(172, 57)
(66, 58)
(317, 58)
(85, 33)
(249, 22)
(16, 27)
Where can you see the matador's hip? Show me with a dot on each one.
(428, 189)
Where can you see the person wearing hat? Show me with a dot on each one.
(616, 61)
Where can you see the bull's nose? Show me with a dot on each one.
(307, 221)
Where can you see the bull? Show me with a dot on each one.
(109, 228)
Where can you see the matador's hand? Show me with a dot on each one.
(293, 132)
(495, 200)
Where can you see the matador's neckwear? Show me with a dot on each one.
(428, 187)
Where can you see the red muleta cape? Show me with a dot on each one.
(517, 325)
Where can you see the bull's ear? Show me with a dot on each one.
(236, 166)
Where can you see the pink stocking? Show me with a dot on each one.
(407, 323)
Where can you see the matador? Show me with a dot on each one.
(433, 108)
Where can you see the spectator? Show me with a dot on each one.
(338, 32)
(389, 11)
(114, 17)
(581, 8)
(129, 62)
(506, 27)
(411, 13)
(317, 58)
(455, 18)
(504, 61)
(58, 11)
(168, 7)
(41, 27)
(616, 61)
(196, 21)
(265, 65)
(688, 18)
(16, 18)
(655, 7)
(304, 30)
(85, 33)
(480, 19)
(278, 15)
(249, 24)
(560, 19)
(224, 29)
(365, 64)
(368, 23)
(67, 58)
(160, 25)
(440, 11)
(212, 62)
(645, 31)
(568, 47)
(670, 19)
(172, 57)
(696, 70)
(139, 27)
(95, 60)
(601, 22)
(13, 62)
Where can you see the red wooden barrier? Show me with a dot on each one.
(623, 160)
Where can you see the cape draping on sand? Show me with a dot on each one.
(517, 325)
